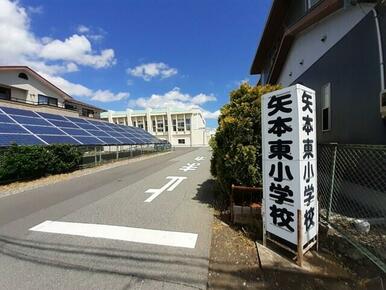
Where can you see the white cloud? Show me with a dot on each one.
(149, 71)
(77, 48)
(18, 44)
(107, 96)
(72, 67)
(50, 57)
(35, 9)
(95, 34)
(82, 91)
(82, 29)
(176, 99)
(202, 99)
(211, 115)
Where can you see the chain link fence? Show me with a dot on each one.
(96, 155)
(352, 195)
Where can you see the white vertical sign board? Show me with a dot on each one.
(289, 162)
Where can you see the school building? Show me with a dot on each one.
(178, 127)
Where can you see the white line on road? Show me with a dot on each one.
(172, 184)
(190, 167)
(136, 235)
(199, 158)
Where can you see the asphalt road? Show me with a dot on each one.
(66, 235)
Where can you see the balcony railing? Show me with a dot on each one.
(29, 102)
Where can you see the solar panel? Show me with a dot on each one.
(59, 139)
(63, 124)
(76, 132)
(21, 139)
(86, 126)
(115, 134)
(44, 130)
(11, 128)
(77, 120)
(5, 119)
(128, 141)
(110, 140)
(89, 140)
(52, 116)
(27, 127)
(13, 111)
(30, 120)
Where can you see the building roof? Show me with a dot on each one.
(85, 104)
(274, 30)
(270, 33)
(151, 111)
(43, 80)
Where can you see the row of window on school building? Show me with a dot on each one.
(159, 124)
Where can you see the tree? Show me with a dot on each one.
(236, 145)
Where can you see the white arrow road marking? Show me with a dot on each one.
(136, 235)
(190, 167)
(199, 158)
(170, 186)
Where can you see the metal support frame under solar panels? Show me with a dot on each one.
(24, 127)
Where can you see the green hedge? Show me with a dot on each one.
(236, 145)
(29, 162)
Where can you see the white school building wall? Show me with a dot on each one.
(179, 127)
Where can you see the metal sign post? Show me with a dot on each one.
(289, 169)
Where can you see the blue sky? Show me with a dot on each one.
(140, 53)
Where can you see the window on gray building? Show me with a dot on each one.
(181, 141)
(23, 76)
(154, 126)
(5, 93)
(45, 100)
(87, 113)
(326, 107)
(174, 125)
(160, 125)
(187, 124)
(181, 124)
(166, 125)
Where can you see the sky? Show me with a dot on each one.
(137, 54)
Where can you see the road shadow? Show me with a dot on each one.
(185, 270)
(210, 193)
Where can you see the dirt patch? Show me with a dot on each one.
(234, 264)
(233, 259)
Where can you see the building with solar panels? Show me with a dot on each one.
(178, 127)
(23, 88)
(35, 112)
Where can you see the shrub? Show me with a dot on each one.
(28, 162)
(236, 145)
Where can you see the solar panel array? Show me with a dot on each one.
(29, 128)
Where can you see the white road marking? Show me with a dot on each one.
(190, 167)
(136, 235)
(199, 158)
(170, 186)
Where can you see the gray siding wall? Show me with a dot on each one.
(382, 25)
(352, 67)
